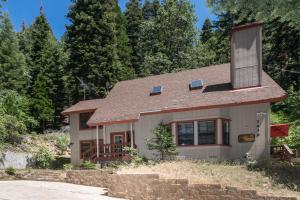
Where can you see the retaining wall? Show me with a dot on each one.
(15, 160)
(151, 187)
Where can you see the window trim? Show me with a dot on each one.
(90, 127)
(223, 139)
(202, 145)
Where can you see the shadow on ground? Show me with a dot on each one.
(282, 173)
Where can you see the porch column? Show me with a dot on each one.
(97, 140)
(131, 135)
(173, 129)
(219, 131)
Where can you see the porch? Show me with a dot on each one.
(110, 147)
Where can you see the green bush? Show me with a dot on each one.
(44, 158)
(88, 165)
(63, 142)
(11, 129)
(10, 171)
(68, 166)
(15, 117)
(135, 157)
(162, 142)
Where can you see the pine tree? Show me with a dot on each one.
(47, 61)
(150, 9)
(93, 47)
(176, 25)
(124, 50)
(134, 18)
(206, 32)
(13, 68)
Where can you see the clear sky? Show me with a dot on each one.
(56, 11)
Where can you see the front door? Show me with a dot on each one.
(118, 141)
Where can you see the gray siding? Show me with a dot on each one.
(246, 63)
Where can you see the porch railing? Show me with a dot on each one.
(107, 152)
(282, 152)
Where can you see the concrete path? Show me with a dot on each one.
(40, 190)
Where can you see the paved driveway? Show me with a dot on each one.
(39, 190)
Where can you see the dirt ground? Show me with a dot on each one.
(280, 181)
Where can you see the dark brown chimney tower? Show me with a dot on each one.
(246, 55)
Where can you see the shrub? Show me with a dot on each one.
(68, 166)
(44, 158)
(10, 171)
(163, 142)
(62, 142)
(135, 157)
(88, 165)
(11, 129)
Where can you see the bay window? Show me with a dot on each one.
(206, 132)
(185, 133)
(226, 132)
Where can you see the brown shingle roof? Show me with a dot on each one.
(130, 99)
(82, 106)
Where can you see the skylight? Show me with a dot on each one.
(156, 90)
(196, 84)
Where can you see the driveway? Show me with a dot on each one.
(37, 190)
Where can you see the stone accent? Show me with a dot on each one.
(151, 187)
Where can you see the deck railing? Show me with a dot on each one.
(282, 152)
(107, 152)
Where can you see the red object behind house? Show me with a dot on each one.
(279, 130)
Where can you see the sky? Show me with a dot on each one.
(56, 11)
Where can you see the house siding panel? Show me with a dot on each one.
(243, 120)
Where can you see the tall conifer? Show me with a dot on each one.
(13, 69)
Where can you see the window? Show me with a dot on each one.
(196, 84)
(85, 147)
(226, 132)
(185, 133)
(83, 118)
(206, 132)
(156, 90)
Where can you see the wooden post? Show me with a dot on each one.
(131, 135)
(104, 137)
(97, 138)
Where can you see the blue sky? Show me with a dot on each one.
(56, 11)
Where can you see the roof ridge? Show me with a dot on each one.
(165, 74)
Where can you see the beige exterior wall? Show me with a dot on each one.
(243, 121)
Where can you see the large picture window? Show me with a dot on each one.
(185, 133)
(83, 119)
(206, 132)
(226, 132)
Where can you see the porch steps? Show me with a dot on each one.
(295, 161)
(46, 175)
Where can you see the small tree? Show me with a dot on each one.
(163, 142)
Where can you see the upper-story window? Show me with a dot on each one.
(206, 132)
(83, 119)
(226, 132)
(185, 133)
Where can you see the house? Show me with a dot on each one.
(216, 112)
